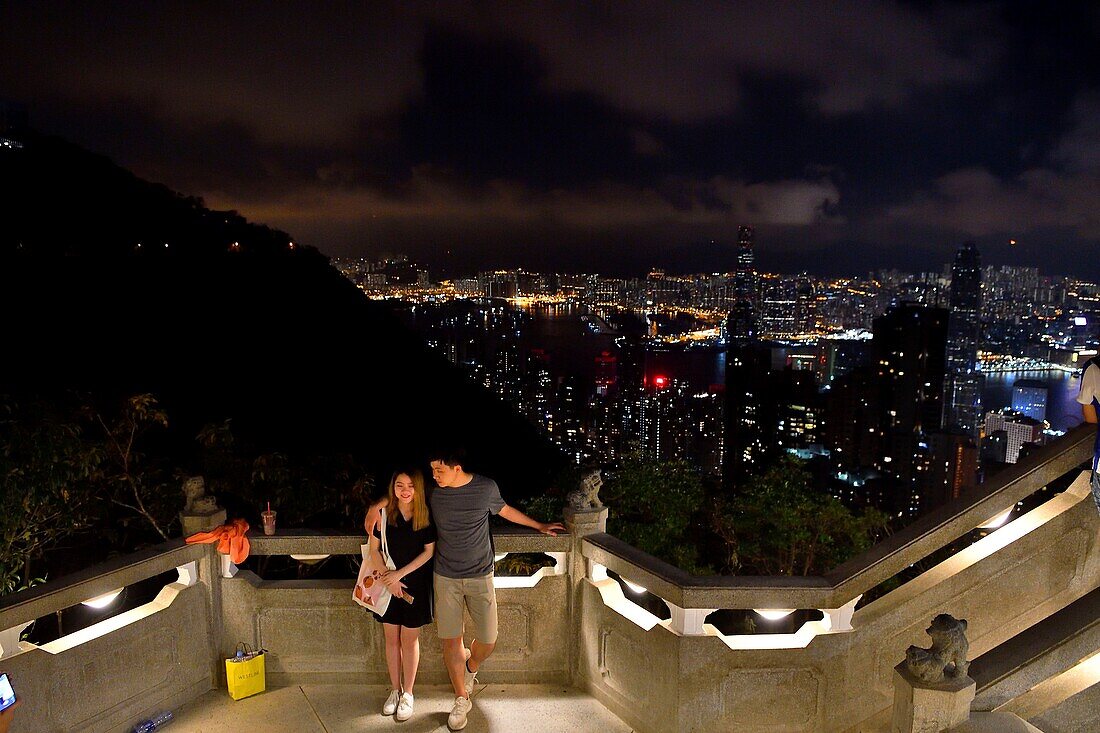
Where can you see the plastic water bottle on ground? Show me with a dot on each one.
(148, 726)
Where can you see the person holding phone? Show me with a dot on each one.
(8, 703)
(410, 539)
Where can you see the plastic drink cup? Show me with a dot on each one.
(268, 518)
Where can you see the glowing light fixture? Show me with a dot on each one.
(633, 586)
(499, 556)
(104, 600)
(997, 521)
(774, 614)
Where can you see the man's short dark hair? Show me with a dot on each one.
(450, 456)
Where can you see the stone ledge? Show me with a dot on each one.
(333, 542)
(28, 605)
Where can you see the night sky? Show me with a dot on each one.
(597, 136)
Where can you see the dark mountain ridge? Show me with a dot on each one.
(229, 320)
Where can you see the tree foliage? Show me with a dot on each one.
(47, 486)
(332, 487)
(779, 524)
(654, 505)
(131, 480)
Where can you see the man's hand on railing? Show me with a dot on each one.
(550, 528)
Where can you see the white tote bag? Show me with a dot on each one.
(370, 592)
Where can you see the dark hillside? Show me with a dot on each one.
(229, 320)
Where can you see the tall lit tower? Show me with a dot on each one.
(745, 275)
(962, 404)
(741, 322)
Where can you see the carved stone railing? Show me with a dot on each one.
(315, 634)
(169, 651)
(572, 623)
(109, 675)
(835, 674)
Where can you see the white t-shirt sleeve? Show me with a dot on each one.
(1090, 385)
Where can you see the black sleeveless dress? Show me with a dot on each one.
(405, 544)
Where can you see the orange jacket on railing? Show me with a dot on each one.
(230, 538)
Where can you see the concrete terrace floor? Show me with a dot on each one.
(347, 708)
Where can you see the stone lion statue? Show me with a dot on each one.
(586, 496)
(194, 492)
(946, 659)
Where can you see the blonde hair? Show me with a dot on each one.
(419, 501)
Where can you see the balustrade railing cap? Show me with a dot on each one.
(69, 590)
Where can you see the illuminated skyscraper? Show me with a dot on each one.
(962, 404)
(1018, 429)
(777, 310)
(741, 322)
(909, 355)
(745, 273)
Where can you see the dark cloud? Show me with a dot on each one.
(582, 134)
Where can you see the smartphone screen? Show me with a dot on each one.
(7, 694)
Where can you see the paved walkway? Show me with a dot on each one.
(348, 708)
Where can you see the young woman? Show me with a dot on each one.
(410, 538)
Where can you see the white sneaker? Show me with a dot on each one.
(405, 707)
(457, 719)
(390, 706)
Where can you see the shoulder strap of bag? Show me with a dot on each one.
(385, 545)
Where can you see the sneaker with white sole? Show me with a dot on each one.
(405, 707)
(457, 719)
(390, 706)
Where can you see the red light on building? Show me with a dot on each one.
(660, 382)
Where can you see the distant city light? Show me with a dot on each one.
(1080, 321)
(660, 382)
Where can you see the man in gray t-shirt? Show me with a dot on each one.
(461, 514)
(463, 577)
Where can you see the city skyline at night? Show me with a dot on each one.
(878, 382)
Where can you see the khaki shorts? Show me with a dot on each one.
(477, 595)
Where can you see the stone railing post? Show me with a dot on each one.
(580, 523)
(920, 707)
(932, 691)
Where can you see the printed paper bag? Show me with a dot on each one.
(369, 592)
(245, 675)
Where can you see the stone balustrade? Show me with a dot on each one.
(574, 624)
(835, 674)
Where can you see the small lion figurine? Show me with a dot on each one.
(946, 659)
(586, 496)
(194, 491)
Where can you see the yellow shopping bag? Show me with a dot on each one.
(245, 673)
